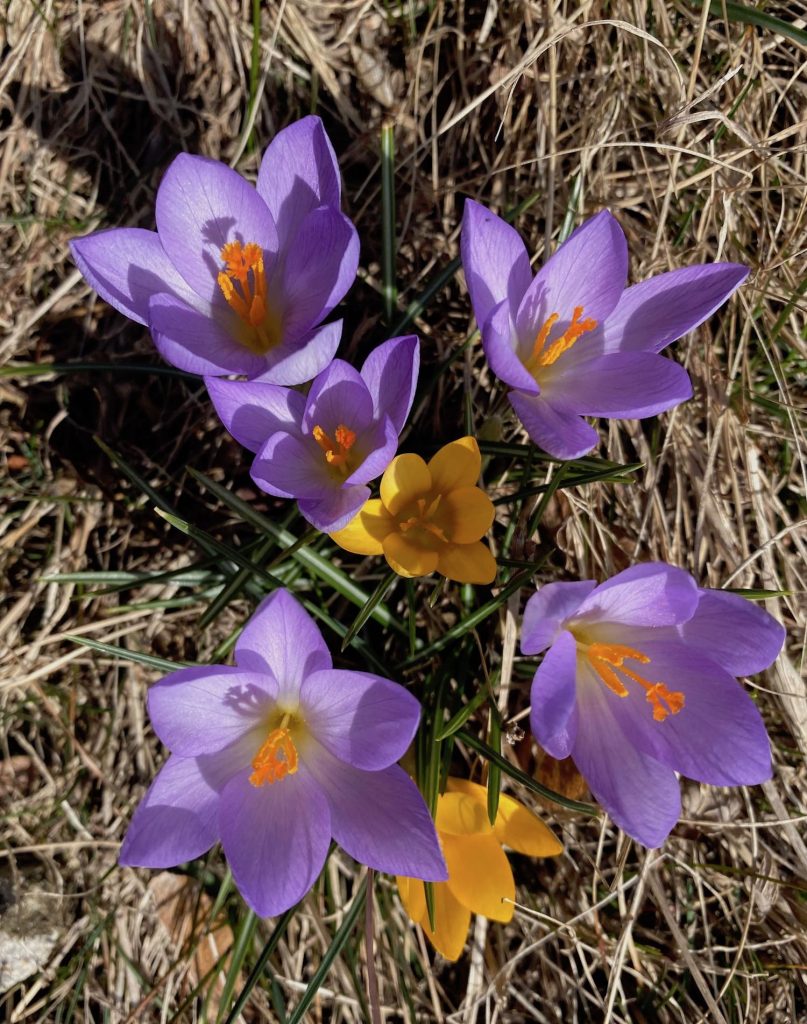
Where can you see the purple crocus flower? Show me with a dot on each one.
(324, 448)
(638, 683)
(237, 279)
(573, 341)
(276, 756)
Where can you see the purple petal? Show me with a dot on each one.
(649, 594)
(494, 260)
(546, 612)
(290, 466)
(553, 718)
(275, 838)
(360, 718)
(626, 385)
(380, 819)
(197, 343)
(378, 444)
(640, 794)
(733, 633)
(334, 511)
(298, 173)
(499, 343)
(252, 411)
(175, 821)
(283, 639)
(655, 312)
(203, 709)
(298, 360)
(338, 397)
(127, 266)
(319, 269)
(560, 433)
(201, 206)
(391, 375)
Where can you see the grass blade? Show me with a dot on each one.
(365, 613)
(388, 219)
(125, 655)
(257, 970)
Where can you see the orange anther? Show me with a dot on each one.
(249, 300)
(542, 356)
(276, 759)
(336, 452)
(608, 661)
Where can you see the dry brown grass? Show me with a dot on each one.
(692, 130)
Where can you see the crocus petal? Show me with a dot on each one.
(360, 718)
(494, 261)
(253, 411)
(380, 442)
(502, 351)
(283, 639)
(451, 921)
(175, 821)
(460, 813)
(338, 397)
(521, 830)
(127, 266)
(468, 513)
(648, 594)
(336, 510)
(289, 466)
(548, 609)
(319, 268)
(195, 342)
(733, 632)
(624, 385)
(413, 896)
(406, 558)
(275, 838)
(364, 535)
(391, 375)
(203, 709)
(380, 818)
(639, 793)
(655, 312)
(467, 563)
(457, 464)
(405, 479)
(561, 433)
(201, 206)
(479, 875)
(298, 173)
(297, 360)
(553, 696)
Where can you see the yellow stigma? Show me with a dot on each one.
(546, 355)
(421, 515)
(608, 660)
(276, 759)
(336, 452)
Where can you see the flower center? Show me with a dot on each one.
(544, 354)
(608, 660)
(277, 757)
(243, 285)
(422, 515)
(336, 452)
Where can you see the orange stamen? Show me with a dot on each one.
(608, 660)
(276, 759)
(422, 518)
(336, 452)
(542, 356)
(249, 299)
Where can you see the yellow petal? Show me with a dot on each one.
(462, 815)
(405, 479)
(457, 464)
(406, 558)
(467, 513)
(521, 830)
(455, 785)
(467, 563)
(413, 897)
(364, 534)
(479, 875)
(451, 920)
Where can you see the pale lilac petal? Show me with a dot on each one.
(275, 838)
(201, 206)
(655, 312)
(640, 794)
(546, 612)
(378, 445)
(494, 260)
(338, 397)
(253, 411)
(298, 173)
(175, 821)
(360, 718)
(297, 360)
(334, 511)
(319, 269)
(127, 266)
(290, 466)
(553, 717)
(623, 385)
(283, 639)
(391, 375)
(197, 343)
(205, 708)
(501, 351)
(380, 819)
(649, 594)
(733, 632)
(560, 433)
